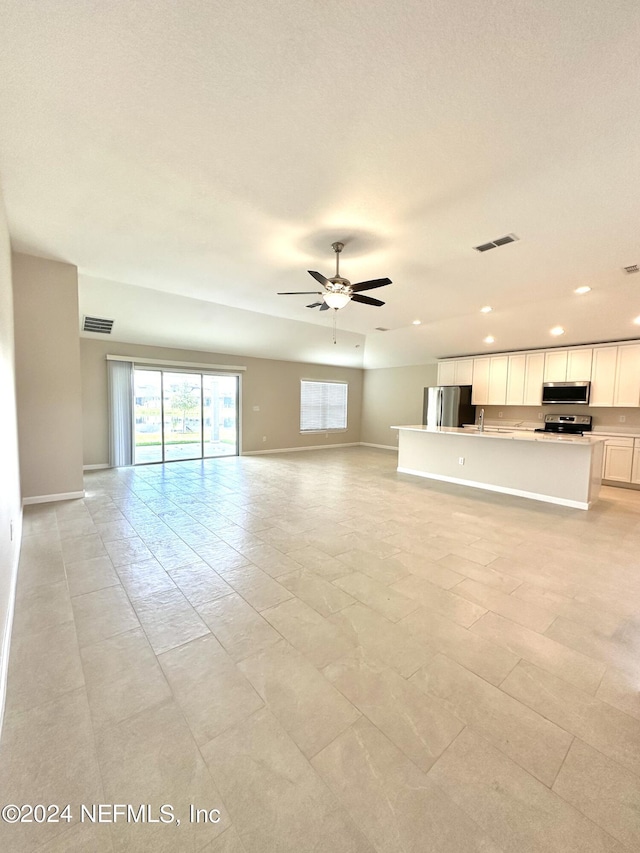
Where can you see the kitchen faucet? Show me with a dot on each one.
(481, 421)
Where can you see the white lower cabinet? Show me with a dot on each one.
(618, 460)
(635, 469)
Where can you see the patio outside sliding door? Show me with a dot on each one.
(184, 415)
(147, 416)
(220, 415)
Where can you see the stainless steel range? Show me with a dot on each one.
(568, 424)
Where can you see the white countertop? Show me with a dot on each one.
(611, 431)
(510, 435)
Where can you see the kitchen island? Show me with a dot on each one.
(563, 470)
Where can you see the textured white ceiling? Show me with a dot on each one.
(214, 150)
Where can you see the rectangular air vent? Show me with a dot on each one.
(97, 324)
(633, 268)
(499, 241)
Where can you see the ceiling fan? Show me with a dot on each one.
(339, 291)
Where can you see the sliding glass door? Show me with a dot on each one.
(184, 415)
(147, 416)
(220, 415)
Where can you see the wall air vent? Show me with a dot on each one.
(381, 329)
(499, 241)
(629, 270)
(97, 324)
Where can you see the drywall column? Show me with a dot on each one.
(49, 389)
(10, 511)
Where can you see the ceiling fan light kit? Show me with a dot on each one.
(338, 291)
(336, 300)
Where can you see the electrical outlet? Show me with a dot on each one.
(256, 408)
(539, 416)
(264, 437)
(500, 414)
(461, 460)
(622, 418)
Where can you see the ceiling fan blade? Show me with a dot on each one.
(369, 285)
(300, 293)
(324, 307)
(315, 305)
(366, 300)
(319, 277)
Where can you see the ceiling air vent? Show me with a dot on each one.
(629, 270)
(381, 329)
(499, 241)
(97, 324)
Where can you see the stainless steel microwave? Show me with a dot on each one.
(571, 393)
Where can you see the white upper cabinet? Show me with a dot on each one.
(627, 387)
(579, 365)
(555, 366)
(524, 382)
(516, 380)
(572, 365)
(447, 373)
(534, 378)
(603, 376)
(464, 371)
(498, 372)
(458, 371)
(480, 392)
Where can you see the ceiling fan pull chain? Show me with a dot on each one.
(335, 312)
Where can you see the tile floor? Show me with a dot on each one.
(336, 657)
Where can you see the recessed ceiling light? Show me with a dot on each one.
(557, 330)
(417, 322)
(486, 309)
(637, 320)
(489, 339)
(584, 289)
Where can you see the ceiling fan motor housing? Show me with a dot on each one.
(339, 284)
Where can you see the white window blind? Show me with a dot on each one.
(120, 384)
(323, 406)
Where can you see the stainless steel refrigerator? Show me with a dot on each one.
(448, 406)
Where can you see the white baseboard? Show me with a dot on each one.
(519, 493)
(8, 625)
(44, 499)
(96, 467)
(381, 446)
(293, 449)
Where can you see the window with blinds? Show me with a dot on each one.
(323, 406)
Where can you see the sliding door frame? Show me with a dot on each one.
(201, 371)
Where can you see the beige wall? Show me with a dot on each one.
(45, 295)
(272, 385)
(10, 511)
(603, 418)
(393, 396)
